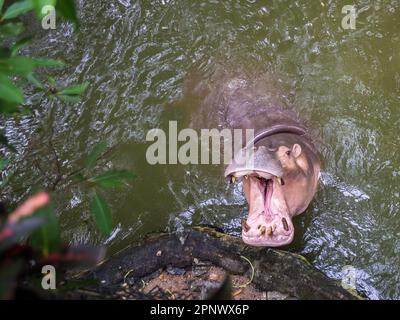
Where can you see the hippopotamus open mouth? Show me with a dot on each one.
(278, 184)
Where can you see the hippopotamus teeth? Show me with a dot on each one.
(269, 231)
(279, 179)
(233, 179)
(262, 231)
(285, 224)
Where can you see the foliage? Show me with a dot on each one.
(47, 237)
(18, 260)
(14, 68)
(111, 178)
(18, 72)
(102, 213)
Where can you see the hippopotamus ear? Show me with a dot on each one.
(296, 150)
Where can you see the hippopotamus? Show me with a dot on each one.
(282, 179)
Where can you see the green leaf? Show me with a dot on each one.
(78, 177)
(19, 44)
(32, 79)
(17, 66)
(8, 108)
(39, 4)
(102, 214)
(69, 99)
(1, 4)
(52, 81)
(11, 29)
(18, 8)
(4, 53)
(9, 91)
(112, 178)
(47, 237)
(94, 155)
(66, 8)
(3, 163)
(24, 66)
(75, 89)
(49, 63)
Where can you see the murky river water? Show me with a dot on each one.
(137, 55)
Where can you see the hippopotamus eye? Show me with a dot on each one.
(288, 152)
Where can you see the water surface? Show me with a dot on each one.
(137, 56)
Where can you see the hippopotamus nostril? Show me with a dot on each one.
(245, 226)
(285, 224)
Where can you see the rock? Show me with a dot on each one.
(175, 271)
(283, 275)
(275, 295)
(264, 296)
(199, 270)
(214, 277)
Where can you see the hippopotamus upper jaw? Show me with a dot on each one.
(260, 159)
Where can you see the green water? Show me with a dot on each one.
(137, 55)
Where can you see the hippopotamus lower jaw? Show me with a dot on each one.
(269, 222)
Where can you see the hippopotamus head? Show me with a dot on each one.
(278, 183)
